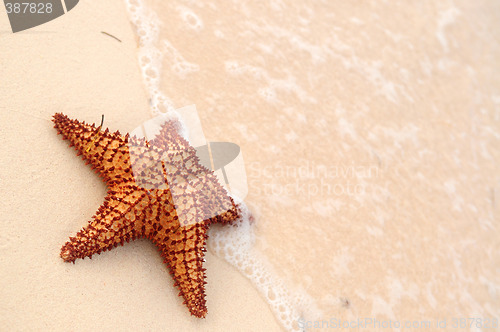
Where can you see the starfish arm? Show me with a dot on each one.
(108, 153)
(115, 222)
(176, 151)
(183, 250)
(227, 217)
(169, 139)
(180, 159)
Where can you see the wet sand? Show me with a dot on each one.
(370, 135)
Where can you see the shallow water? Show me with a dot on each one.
(370, 139)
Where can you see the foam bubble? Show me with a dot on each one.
(190, 18)
(268, 94)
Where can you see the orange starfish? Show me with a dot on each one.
(156, 190)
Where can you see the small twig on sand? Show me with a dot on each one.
(111, 36)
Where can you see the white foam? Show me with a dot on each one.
(147, 26)
(180, 66)
(236, 244)
(192, 20)
(446, 18)
(269, 92)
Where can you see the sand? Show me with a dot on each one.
(370, 134)
(48, 193)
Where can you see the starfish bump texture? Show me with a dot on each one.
(157, 190)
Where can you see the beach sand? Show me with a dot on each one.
(370, 135)
(48, 194)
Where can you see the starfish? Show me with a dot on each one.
(157, 190)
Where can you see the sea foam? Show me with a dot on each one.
(234, 243)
